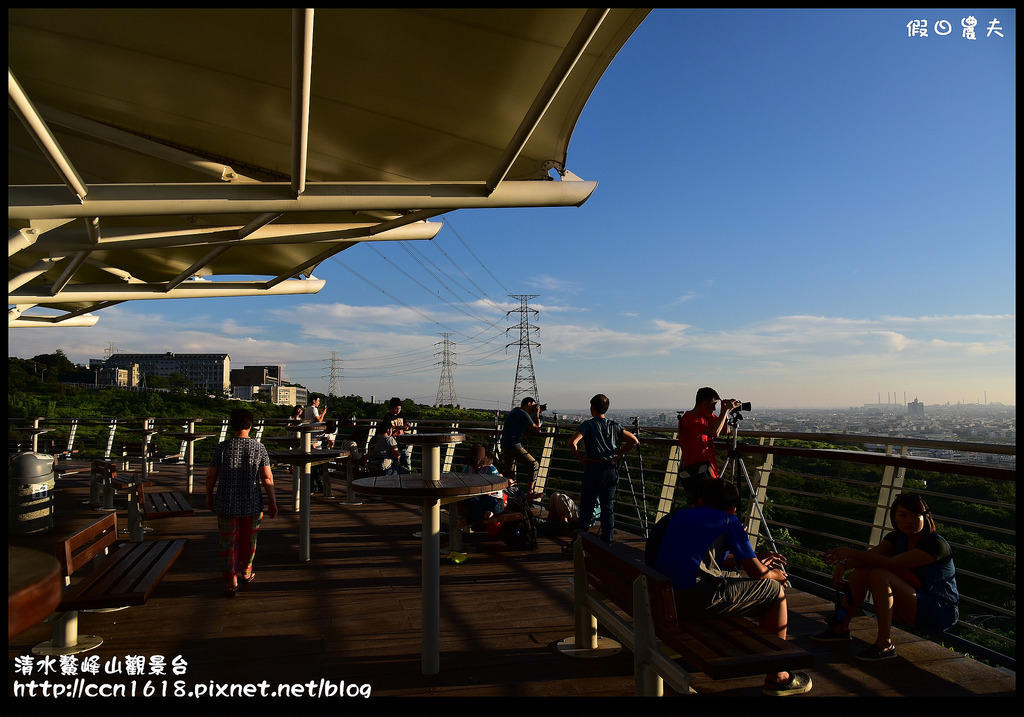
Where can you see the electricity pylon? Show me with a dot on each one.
(526, 381)
(335, 373)
(446, 386)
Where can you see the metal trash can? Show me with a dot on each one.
(30, 493)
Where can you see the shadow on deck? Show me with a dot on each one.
(350, 618)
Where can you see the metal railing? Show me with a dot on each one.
(811, 498)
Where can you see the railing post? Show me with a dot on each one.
(546, 450)
(71, 437)
(892, 483)
(110, 439)
(668, 486)
(648, 682)
(764, 472)
(449, 449)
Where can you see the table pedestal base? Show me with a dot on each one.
(606, 647)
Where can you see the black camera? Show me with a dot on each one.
(743, 407)
(543, 407)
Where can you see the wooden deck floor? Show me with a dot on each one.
(351, 615)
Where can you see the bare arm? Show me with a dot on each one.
(574, 446)
(267, 477)
(727, 405)
(757, 570)
(628, 442)
(211, 481)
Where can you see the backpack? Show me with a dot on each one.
(563, 509)
(522, 534)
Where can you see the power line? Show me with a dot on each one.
(448, 223)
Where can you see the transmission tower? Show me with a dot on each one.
(446, 386)
(526, 381)
(334, 368)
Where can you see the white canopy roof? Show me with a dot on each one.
(186, 153)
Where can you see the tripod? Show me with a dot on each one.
(734, 458)
(641, 513)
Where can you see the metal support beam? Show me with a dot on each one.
(45, 202)
(571, 54)
(36, 127)
(33, 322)
(38, 269)
(141, 145)
(69, 271)
(80, 293)
(302, 71)
(19, 239)
(250, 235)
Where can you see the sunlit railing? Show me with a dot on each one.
(811, 497)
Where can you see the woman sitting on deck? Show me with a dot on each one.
(481, 507)
(910, 574)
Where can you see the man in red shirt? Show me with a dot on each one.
(698, 429)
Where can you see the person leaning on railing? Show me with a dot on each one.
(910, 575)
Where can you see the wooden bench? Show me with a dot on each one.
(151, 505)
(125, 577)
(721, 648)
(104, 481)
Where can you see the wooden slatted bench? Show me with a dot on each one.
(721, 648)
(125, 577)
(104, 481)
(151, 505)
(162, 504)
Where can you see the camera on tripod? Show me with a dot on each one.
(742, 406)
(543, 407)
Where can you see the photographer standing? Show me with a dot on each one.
(520, 422)
(605, 443)
(698, 429)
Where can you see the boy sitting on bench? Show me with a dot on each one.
(694, 547)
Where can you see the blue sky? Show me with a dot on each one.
(800, 208)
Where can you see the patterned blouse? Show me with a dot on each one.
(239, 462)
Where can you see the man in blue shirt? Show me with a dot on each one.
(520, 422)
(699, 550)
(605, 442)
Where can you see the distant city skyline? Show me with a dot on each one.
(800, 208)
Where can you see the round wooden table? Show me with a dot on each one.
(34, 588)
(190, 437)
(429, 490)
